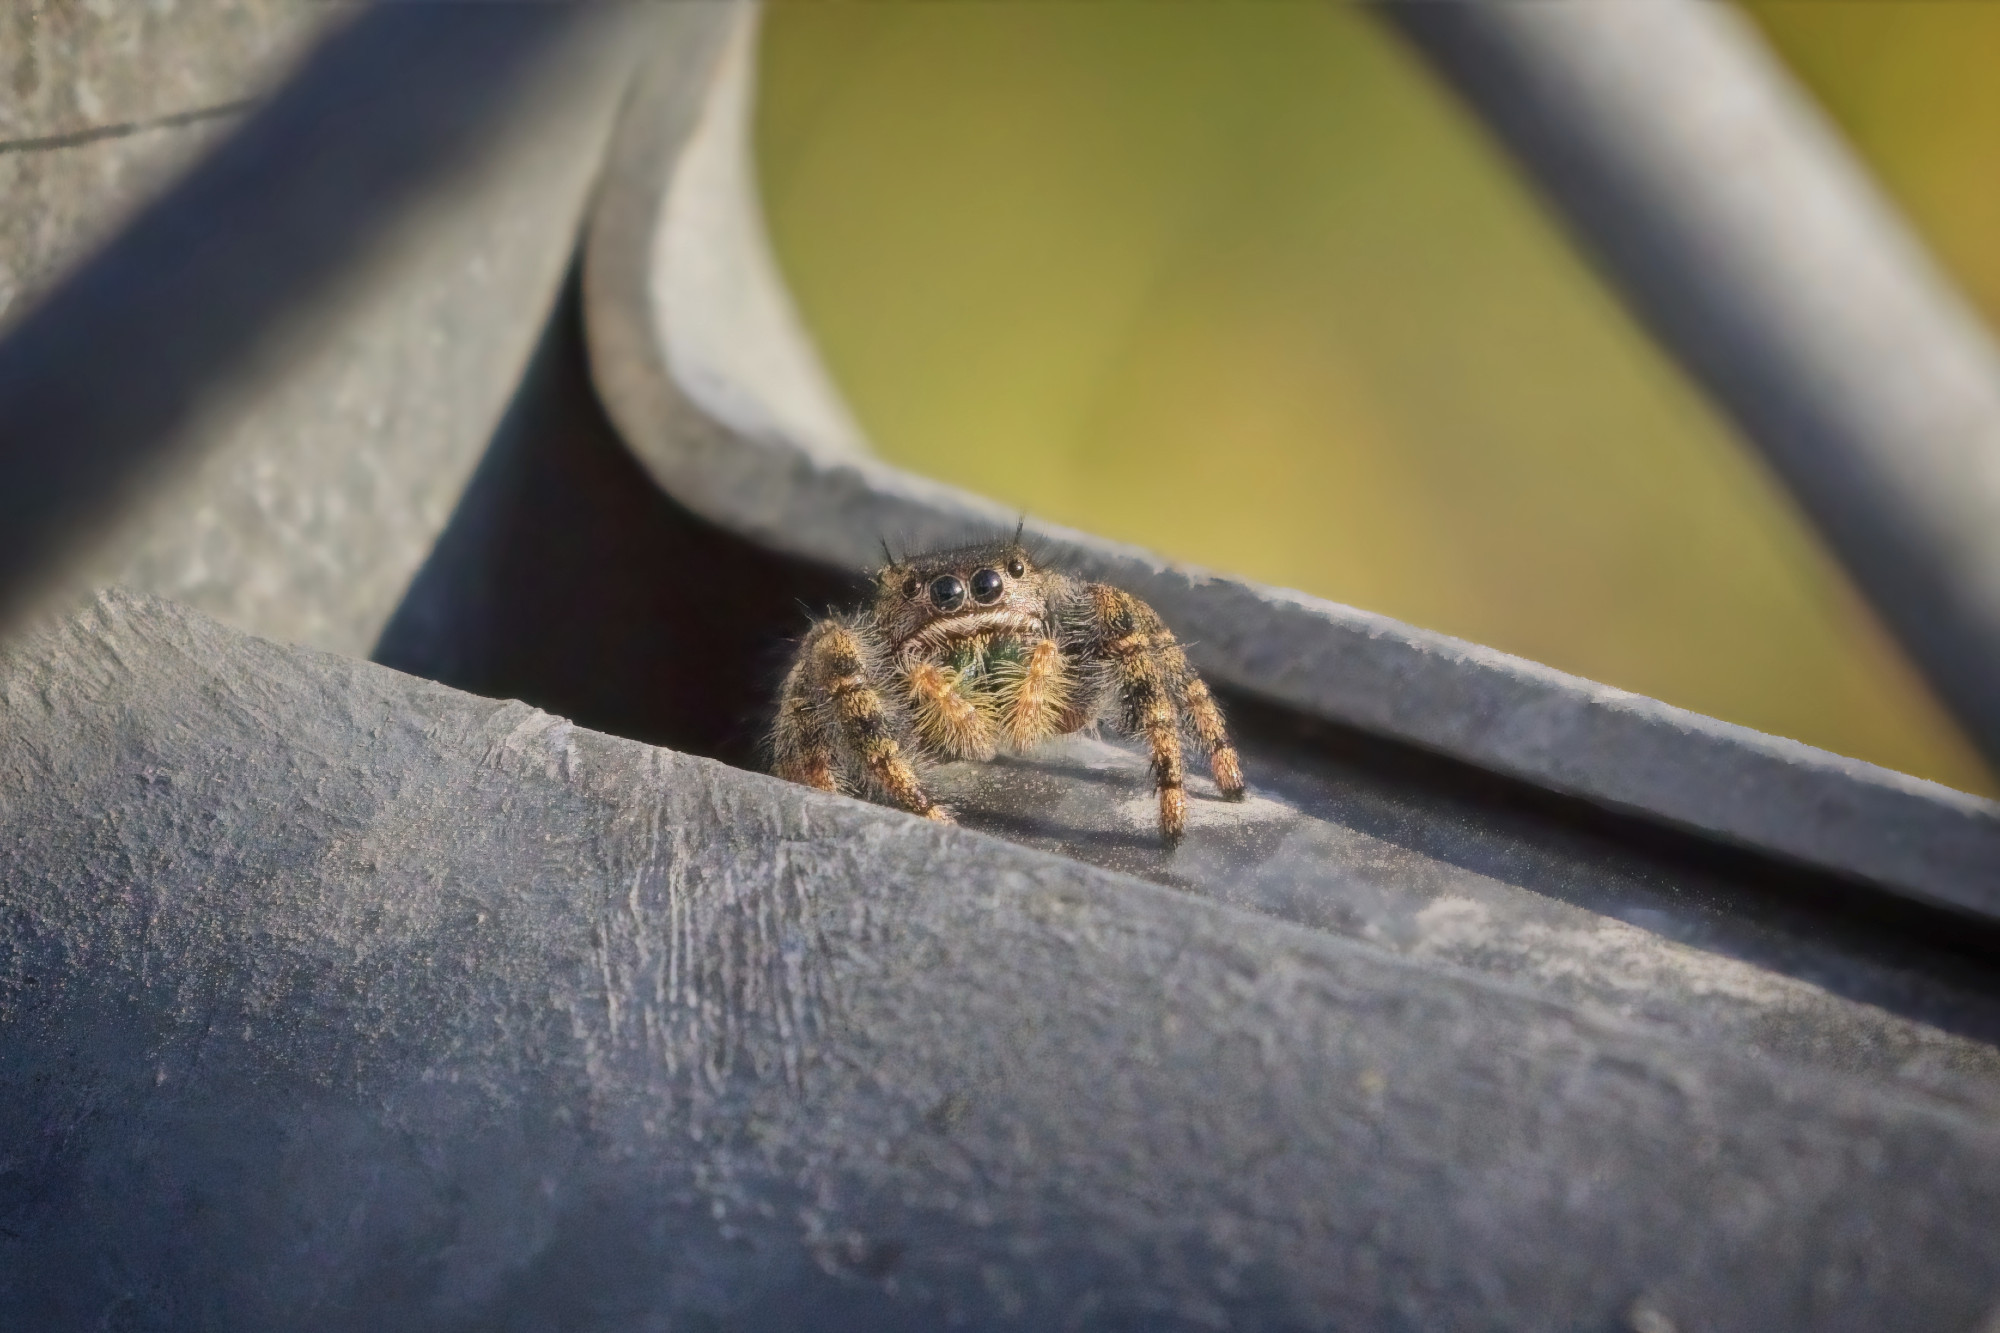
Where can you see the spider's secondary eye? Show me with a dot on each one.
(986, 586)
(947, 592)
(1017, 566)
(912, 586)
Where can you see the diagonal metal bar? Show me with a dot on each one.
(1742, 231)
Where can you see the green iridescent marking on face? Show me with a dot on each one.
(967, 660)
(981, 667)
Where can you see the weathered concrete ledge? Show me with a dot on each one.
(332, 997)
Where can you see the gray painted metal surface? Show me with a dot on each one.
(265, 395)
(1704, 951)
(709, 379)
(106, 105)
(333, 997)
(554, 585)
(1743, 231)
(336, 998)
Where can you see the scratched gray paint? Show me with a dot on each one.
(265, 395)
(104, 104)
(1576, 918)
(336, 998)
(733, 417)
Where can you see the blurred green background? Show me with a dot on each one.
(1239, 283)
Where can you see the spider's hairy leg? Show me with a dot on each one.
(1206, 719)
(1037, 696)
(839, 667)
(947, 718)
(1131, 637)
(801, 742)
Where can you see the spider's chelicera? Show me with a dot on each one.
(965, 653)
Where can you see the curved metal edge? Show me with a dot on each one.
(703, 419)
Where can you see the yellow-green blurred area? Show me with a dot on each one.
(1241, 283)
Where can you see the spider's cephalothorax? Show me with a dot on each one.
(968, 652)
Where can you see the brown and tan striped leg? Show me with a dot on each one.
(801, 743)
(947, 718)
(1206, 720)
(1039, 698)
(1132, 635)
(837, 665)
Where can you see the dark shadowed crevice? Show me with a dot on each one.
(568, 580)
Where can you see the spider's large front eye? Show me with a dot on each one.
(947, 592)
(986, 586)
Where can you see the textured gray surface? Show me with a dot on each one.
(101, 105)
(750, 440)
(335, 998)
(562, 581)
(1701, 951)
(331, 997)
(1741, 228)
(265, 396)
(79, 67)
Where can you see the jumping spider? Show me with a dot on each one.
(971, 651)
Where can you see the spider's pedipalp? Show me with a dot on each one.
(1036, 696)
(945, 718)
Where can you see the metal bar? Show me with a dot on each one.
(1744, 233)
